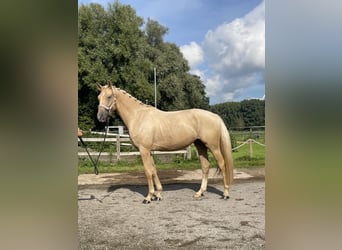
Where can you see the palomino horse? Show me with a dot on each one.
(152, 129)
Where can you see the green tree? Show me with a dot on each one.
(253, 112)
(194, 89)
(241, 114)
(111, 47)
(90, 67)
(230, 112)
(155, 32)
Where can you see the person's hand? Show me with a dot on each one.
(79, 132)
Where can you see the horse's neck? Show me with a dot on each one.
(127, 107)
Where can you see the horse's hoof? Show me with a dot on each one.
(155, 198)
(198, 196)
(146, 201)
(225, 197)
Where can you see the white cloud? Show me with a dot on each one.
(235, 53)
(213, 85)
(193, 53)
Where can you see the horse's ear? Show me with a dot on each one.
(99, 87)
(109, 83)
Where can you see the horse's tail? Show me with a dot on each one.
(226, 150)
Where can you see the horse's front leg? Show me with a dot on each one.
(157, 196)
(151, 174)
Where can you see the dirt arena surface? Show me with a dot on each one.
(114, 217)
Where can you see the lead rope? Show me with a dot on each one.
(96, 171)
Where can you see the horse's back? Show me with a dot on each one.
(206, 119)
(196, 119)
(196, 124)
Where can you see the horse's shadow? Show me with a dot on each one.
(143, 189)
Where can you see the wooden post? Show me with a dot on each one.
(250, 148)
(118, 147)
(188, 153)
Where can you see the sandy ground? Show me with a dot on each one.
(112, 216)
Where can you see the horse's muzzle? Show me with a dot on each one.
(102, 116)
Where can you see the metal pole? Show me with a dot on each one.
(155, 87)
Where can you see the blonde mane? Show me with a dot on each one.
(132, 97)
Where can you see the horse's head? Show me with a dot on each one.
(107, 101)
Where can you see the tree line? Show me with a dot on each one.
(117, 45)
(246, 113)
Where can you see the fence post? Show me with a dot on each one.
(118, 147)
(188, 153)
(250, 141)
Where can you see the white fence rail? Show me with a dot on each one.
(124, 140)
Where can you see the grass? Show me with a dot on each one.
(241, 160)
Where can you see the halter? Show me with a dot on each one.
(108, 108)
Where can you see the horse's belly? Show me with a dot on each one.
(170, 143)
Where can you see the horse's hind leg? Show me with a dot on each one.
(220, 162)
(203, 155)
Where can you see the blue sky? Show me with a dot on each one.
(223, 40)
